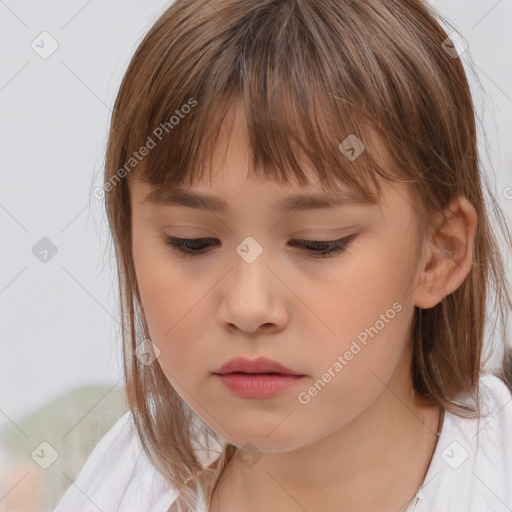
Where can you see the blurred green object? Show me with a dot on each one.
(72, 425)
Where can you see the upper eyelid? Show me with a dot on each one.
(316, 249)
(205, 238)
(177, 242)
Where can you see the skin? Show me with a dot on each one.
(364, 440)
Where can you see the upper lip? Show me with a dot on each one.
(259, 365)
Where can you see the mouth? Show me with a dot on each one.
(262, 385)
(259, 366)
(258, 373)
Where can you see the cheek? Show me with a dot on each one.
(172, 324)
(369, 320)
(169, 300)
(171, 330)
(367, 310)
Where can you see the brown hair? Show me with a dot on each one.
(308, 74)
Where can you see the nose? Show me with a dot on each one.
(253, 298)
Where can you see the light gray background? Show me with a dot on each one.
(59, 319)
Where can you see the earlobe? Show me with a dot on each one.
(449, 254)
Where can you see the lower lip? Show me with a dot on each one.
(258, 386)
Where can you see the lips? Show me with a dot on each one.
(261, 365)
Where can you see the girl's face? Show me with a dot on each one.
(341, 321)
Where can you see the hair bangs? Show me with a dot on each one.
(271, 85)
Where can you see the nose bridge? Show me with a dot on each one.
(250, 293)
(251, 275)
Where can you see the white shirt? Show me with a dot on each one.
(470, 471)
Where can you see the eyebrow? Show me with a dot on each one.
(296, 202)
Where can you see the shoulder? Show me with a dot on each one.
(471, 468)
(117, 476)
(495, 422)
(494, 429)
(495, 392)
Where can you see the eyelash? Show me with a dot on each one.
(188, 246)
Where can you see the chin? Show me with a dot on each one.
(258, 439)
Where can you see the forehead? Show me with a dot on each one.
(229, 176)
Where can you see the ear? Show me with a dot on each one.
(448, 255)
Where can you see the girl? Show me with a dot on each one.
(305, 256)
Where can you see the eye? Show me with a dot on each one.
(323, 249)
(189, 246)
(318, 249)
